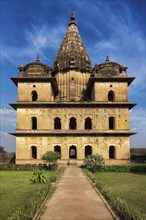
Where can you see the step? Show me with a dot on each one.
(72, 162)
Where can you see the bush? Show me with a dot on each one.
(25, 167)
(38, 177)
(53, 179)
(138, 168)
(134, 168)
(138, 158)
(93, 162)
(52, 157)
(115, 168)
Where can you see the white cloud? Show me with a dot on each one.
(138, 125)
(137, 121)
(8, 118)
(42, 37)
(37, 40)
(8, 123)
(7, 141)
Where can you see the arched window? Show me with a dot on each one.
(111, 96)
(72, 123)
(111, 123)
(57, 148)
(88, 123)
(112, 152)
(88, 150)
(34, 96)
(34, 152)
(34, 123)
(57, 123)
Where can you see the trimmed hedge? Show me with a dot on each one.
(25, 167)
(135, 168)
(138, 158)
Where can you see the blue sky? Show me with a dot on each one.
(107, 27)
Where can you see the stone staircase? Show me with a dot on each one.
(72, 162)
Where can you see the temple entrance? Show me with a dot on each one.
(72, 152)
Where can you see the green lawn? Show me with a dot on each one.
(128, 186)
(16, 190)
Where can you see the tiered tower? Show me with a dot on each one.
(72, 108)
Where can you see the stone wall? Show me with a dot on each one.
(99, 145)
(101, 90)
(45, 118)
(44, 91)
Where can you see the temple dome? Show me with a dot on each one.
(34, 69)
(108, 69)
(72, 53)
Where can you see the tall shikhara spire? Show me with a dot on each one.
(72, 53)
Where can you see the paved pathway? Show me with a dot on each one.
(75, 199)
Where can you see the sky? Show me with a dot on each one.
(111, 28)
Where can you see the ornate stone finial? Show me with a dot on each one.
(38, 58)
(107, 59)
(124, 68)
(21, 68)
(72, 19)
(72, 15)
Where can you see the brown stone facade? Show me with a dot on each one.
(72, 108)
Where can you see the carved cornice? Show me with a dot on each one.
(72, 105)
(76, 133)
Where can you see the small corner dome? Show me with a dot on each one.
(35, 68)
(108, 68)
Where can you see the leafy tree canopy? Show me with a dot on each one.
(51, 156)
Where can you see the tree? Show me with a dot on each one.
(52, 157)
(2, 150)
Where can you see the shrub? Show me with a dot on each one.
(38, 177)
(134, 168)
(53, 178)
(93, 162)
(138, 158)
(115, 168)
(138, 168)
(52, 157)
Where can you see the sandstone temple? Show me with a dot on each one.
(71, 107)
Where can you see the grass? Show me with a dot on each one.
(16, 190)
(128, 186)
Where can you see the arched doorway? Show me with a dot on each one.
(72, 152)
(112, 152)
(88, 150)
